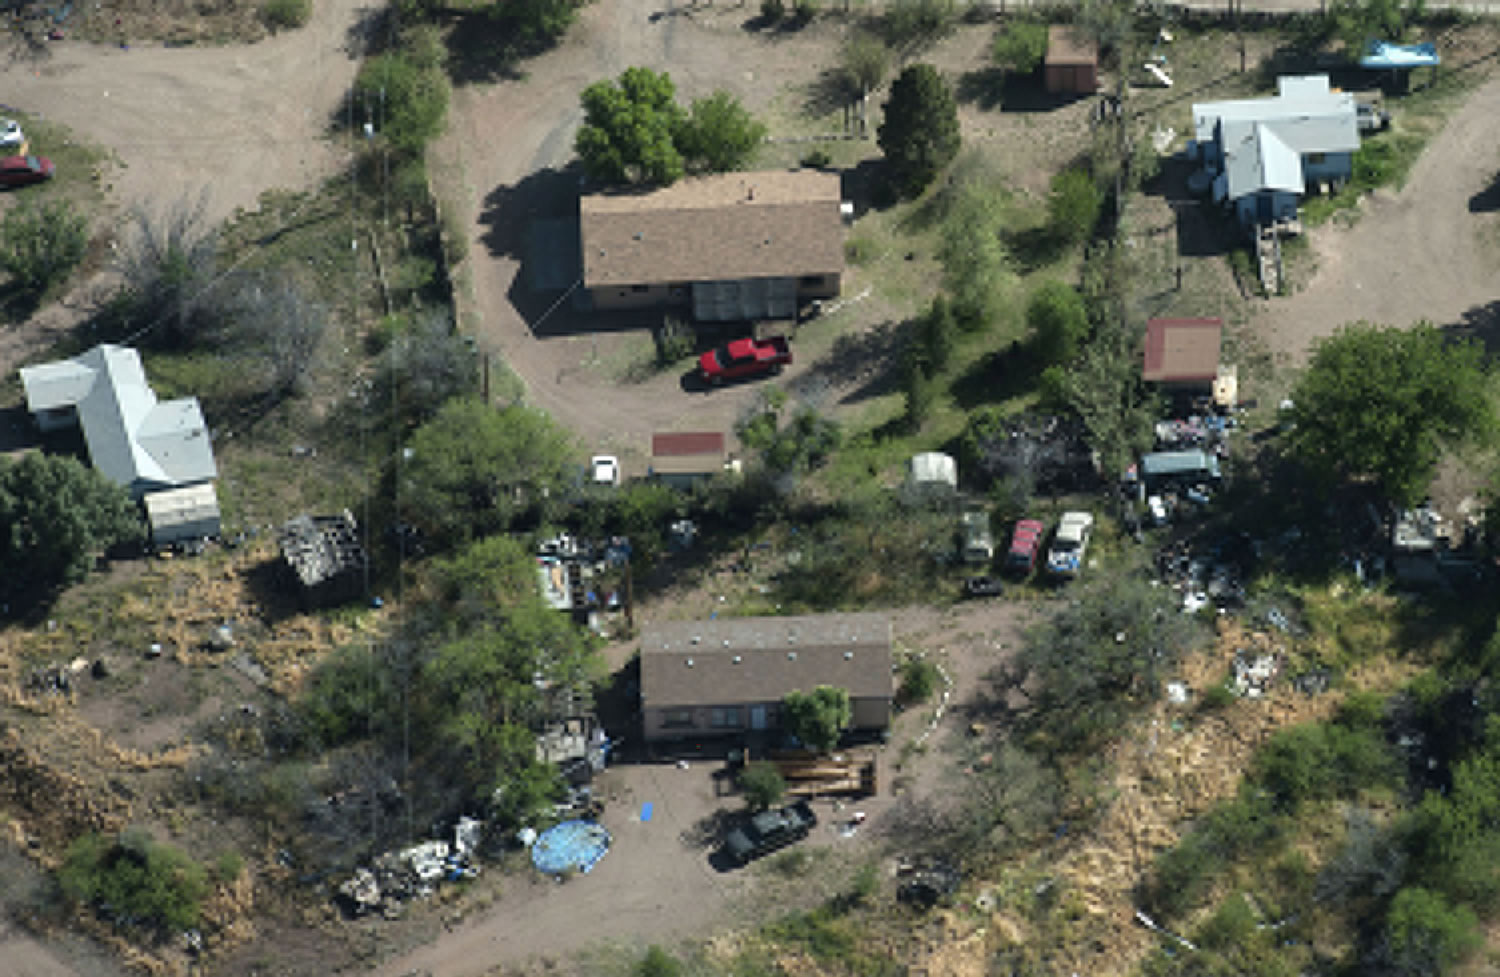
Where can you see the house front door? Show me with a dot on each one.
(757, 717)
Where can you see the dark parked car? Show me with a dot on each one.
(17, 171)
(1025, 544)
(983, 587)
(768, 831)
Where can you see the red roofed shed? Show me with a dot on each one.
(682, 457)
(1183, 352)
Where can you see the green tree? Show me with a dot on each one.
(473, 470)
(55, 515)
(864, 61)
(919, 680)
(404, 98)
(937, 334)
(629, 129)
(919, 134)
(719, 135)
(41, 244)
(1073, 206)
(817, 718)
(1357, 21)
(1086, 668)
(1021, 46)
(134, 880)
(761, 784)
(976, 265)
(1425, 935)
(1381, 403)
(1059, 323)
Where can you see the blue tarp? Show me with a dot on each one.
(1384, 54)
(573, 846)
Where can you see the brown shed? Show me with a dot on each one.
(1182, 352)
(1072, 63)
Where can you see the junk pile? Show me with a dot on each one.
(412, 873)
(1203, 576)
(1208, 432)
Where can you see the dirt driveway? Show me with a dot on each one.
(1429, 251)
(653, 887)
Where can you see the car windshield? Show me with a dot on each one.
(1065, 546)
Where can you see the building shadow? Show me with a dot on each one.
(1202, 229)
(1486, 201)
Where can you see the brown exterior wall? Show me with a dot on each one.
(1072, 79)
(636, 297)
(866, 714)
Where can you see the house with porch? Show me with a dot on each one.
(1260, 155)
(727, 247)
(725, 678)
(160, 451)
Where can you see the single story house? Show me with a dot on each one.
(726, 677)
(682, 458)
(1182, 355)
(136, 441)
(732, 246)
(1260, 154)
(1071, 65)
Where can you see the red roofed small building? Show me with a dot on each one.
(1183, 354)
(681, 458)
(1071, 65)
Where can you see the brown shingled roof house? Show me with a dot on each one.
(1183, 352)
(727, 677)
(734, 245)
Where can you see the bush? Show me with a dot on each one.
(1021, 46)
(41, 244)
(771, 11)
(816, 159)
(762, 785)
(911, 24)
(806, 10)
(919, 679)
(658, 963)
(1059, 323)
(284, 14)
(409, 97)
(134, 880)
(1425, 935)
(674, 341)
(1216, 697)
(1073, 206)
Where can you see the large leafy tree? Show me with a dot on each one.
(1059, 322)
(55, 515)
(919, 134)
(41, 244)
(629, 129)
(719, 134)
(817, 718)
(472, 470)
(1380, 403)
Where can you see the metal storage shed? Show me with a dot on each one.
(1072, 63)
(182, 514)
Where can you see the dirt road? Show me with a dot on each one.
(1428, 251)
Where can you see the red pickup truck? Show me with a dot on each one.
(745, 358)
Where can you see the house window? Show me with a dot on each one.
(677, 719)
(1317, 159)
(727, 717)
(640, 288)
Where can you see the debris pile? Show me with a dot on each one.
(412, 873)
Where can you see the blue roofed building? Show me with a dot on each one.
(1261, 155)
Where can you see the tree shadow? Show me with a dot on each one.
(867, 185)
(364, 35)
(1486, 201)
(484, 49)
(869, 359)
(995, 377)
(983, 88)
(828, 93)
(1481, 322)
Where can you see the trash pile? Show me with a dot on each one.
(412, 873)
(1208, 432)
(1203, 576)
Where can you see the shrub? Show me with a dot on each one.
(41, 244)
(1073, 206)
(285, 14)
(761, 784)
(910, 24)
(919, 679)
(1216, 697)
(771, 11)
(1425, 935)
(1021, 46)
(806, 10)
(1059, 323)
(411, 96)
(658, 963)
(674, 341)
(134, 880)
(816, 159)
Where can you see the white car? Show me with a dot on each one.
(11, 136)
(604, 470)
(1069, 545)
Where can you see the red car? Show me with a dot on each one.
(17, 171)
(745, 358)
(1025, 544)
